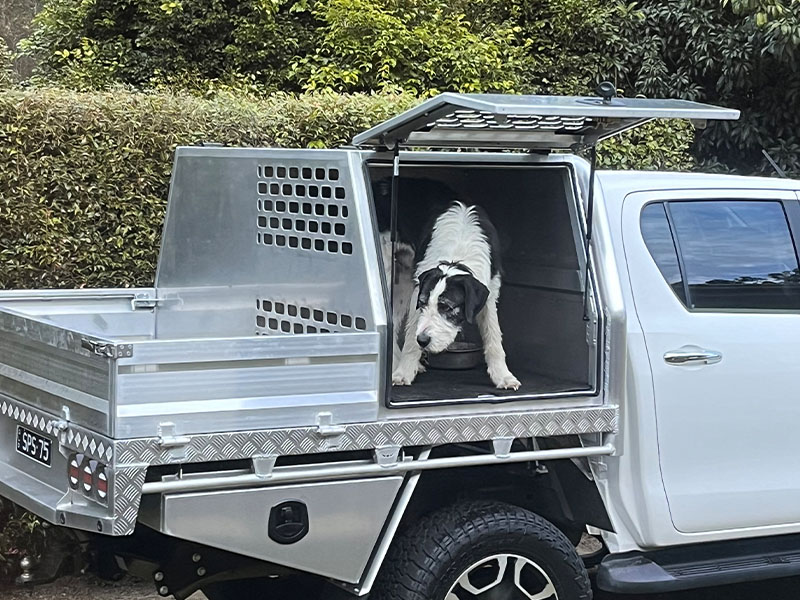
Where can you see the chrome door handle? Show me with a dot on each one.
(692, 357)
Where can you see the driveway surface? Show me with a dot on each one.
(91, 589)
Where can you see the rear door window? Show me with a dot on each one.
(733, 254)
(658, 238)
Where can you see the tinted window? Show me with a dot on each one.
(658, 237)
(736, 254)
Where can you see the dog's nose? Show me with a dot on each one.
(423, 339)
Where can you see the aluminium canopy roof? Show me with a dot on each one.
(526, 122)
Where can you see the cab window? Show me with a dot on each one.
(731, 254)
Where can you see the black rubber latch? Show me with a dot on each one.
(288, 522)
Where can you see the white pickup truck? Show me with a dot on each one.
(234, 428)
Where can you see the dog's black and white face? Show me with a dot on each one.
(449, 296)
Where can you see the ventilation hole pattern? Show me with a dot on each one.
(277, 317)
(303, 208)
(480, 119)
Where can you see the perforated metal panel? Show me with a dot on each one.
(275, 237)
(483, 119)
(303, 208)
(276, 317)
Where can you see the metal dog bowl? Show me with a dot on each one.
(458, 356)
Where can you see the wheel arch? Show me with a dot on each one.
(557, 490)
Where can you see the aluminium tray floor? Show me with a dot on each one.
(438, 384)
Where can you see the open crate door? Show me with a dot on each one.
(526, 122)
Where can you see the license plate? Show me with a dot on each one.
(34, 445)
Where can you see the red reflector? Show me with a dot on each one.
(102, 483)
(74, 470)
(87, 479)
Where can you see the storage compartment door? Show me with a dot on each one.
(338, 523)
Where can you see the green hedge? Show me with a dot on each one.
(84, 177)
(6, 66)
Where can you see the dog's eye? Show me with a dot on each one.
(448, 309)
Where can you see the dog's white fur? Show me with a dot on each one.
(457, 238)
(403, 284)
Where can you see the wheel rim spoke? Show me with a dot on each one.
(492, 578)
(549, 590)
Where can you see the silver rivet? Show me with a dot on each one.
(159, 576)
(201, 571)
(163, 590)
(196, 558)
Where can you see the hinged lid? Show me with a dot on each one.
(510, 121)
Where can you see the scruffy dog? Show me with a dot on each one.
(458, 282)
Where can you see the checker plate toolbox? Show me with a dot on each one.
(265, 336)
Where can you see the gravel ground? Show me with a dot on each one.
(88, 588)
(91, 589)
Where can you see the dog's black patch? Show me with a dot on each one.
(427, 281)
(466, 292)
(462, 299)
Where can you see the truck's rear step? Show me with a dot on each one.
(701, 565)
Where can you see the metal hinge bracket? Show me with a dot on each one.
(106, 349)
(502, 446)
(325, 426)
(264, 465)
(387, 456)
(168, 439)
(143, 302)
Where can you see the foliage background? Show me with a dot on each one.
(96, 94)
(85, 175)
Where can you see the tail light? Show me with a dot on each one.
(88, 476)
(74, 470)
(101, 482)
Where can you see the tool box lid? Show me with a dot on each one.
(507, 121)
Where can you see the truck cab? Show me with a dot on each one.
(710, 280)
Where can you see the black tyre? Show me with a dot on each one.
(483, 551)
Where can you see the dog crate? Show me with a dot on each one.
(551, 347)
(530, 186)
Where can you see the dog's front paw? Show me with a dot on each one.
(402, 376)
(506, 381)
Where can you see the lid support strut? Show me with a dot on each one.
(393, 238)
(589, 224)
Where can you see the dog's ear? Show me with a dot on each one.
(475, 295)
(427, 280)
